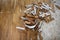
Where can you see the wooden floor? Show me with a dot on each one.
(10, 14)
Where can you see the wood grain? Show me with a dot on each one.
(10, 13)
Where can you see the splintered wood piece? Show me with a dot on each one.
(27, 22)
(29, 15)
(57, 6)
(36, 17)
(48, 19)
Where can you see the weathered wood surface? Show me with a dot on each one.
(10, 13)
(7, 27)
